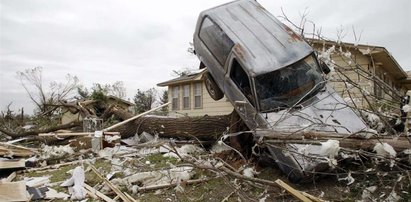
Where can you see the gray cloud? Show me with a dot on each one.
(141, 42)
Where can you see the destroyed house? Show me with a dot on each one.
(380, 78)
(71, 114)
(189, 97)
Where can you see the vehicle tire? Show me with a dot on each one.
(212, 88)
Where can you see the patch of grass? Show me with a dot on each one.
(159, 161)
(57, 175)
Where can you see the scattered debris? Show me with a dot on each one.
(75, 184)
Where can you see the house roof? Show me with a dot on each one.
(379, 54)
(120, 100)
(184, 79)
(88, 100)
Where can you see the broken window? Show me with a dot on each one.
(240, 78)
(216, 39)
(175, 96)
(286, 87)
(197, 95)
(186, 97)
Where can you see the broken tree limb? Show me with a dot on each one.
(135, 117)
(74, 134)
(162, 186)
(353, 141)
(36, 132)
(109, 128)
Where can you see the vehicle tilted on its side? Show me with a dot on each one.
(273, 79)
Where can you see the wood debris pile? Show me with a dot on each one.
(147, 167)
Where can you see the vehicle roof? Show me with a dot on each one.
(260, 39)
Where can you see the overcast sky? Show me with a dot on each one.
(140, 42)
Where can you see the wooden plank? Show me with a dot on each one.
(13, 191)
(113, 187)
(12, 163)
(297, 194)
(313, 198)
(15, 150)
(99, 194)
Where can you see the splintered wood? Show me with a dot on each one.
(14, 150)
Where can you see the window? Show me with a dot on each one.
(186, 97)
(377, 86)
(216, 40)
(197, 95)
(240, 78)
(290, 85)
(175, 96)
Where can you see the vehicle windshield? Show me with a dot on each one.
(285, 87)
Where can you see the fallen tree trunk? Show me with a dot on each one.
(36, 132)
(353, 141)
(203, 128)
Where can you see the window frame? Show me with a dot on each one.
(200, 95)
(175, 94)
(184, 96)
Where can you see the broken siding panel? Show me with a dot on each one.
(69, 117)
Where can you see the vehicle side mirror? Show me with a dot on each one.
(324, 67)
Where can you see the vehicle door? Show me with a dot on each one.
(238, 88)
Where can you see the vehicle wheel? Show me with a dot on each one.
(212, 88)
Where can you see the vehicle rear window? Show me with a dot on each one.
(216, 40)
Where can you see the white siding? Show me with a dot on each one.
(209, 106)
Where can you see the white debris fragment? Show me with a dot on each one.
(349, 178)
(161, 177)
(55, 151)
(77, 179)
(373, 119)
(219, 147)
(347, 54)
(185, 150)
(264, 198)
(366, 194)
(393, 197)
(108, 152)
(385, 150)
(330, 148)
(110, 139)
(250, 172)
(53, 194)
(406, 108)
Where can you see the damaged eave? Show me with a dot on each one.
(380, 56)
(184, 79)
(388, 62)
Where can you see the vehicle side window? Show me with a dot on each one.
(241, 79)
(216, 40)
